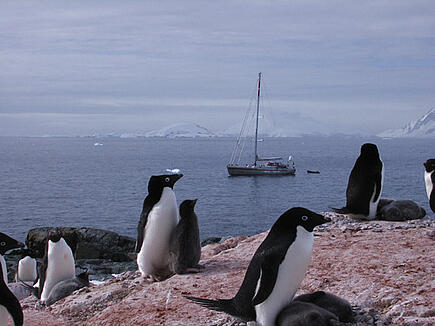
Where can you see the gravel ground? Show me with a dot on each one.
(384, 269)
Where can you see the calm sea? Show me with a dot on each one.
(71, 182)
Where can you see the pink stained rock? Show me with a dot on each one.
(377, 265)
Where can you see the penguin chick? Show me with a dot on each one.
(328, 301)
(66, 287)
(298, 313)
(185, 246)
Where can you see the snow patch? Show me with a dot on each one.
(421, 128)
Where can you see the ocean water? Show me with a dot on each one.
(71, 182)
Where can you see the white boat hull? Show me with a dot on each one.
(234, 170)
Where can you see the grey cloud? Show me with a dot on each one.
(324, 60)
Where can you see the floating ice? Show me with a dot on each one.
(98, 144)
(175, 171)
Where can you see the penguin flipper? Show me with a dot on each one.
(147, 207)
(378, 185)
(268, 275)
(42, 271)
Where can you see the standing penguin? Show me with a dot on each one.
(7, 243)
(26, 270)
(365, 183)
(9, 304)
(185, 245)
(57, 265)
(429, 178)
(157, 222)
(275, 271)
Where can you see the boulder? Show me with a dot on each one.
(86, 243)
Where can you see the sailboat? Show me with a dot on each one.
(260, 165)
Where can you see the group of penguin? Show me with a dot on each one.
(168, 243)
(54, 280)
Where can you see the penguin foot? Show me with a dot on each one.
(192, 270)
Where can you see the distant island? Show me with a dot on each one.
(424, 127)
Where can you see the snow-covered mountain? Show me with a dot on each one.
(423, 127)
(290, 125)
(187, 129)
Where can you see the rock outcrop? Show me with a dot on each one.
(384, 269)
(86, 243)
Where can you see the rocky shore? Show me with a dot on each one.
(385, 269)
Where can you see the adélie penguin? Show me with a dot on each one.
(429, 178)
(275, 271)
(185, 245)
(157, 222)
(27, 270)
(57, 265)
(365, 183)
(9, 304)
(7, 243)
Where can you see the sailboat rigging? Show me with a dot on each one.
(261, 165)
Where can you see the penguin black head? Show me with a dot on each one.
(369, 150)
(7, 243)
(187, 207)
(429, 165)
(84, 277)
(299, 216)
(158, 182)
(54, 235)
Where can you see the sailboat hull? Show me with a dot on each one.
(259, 170)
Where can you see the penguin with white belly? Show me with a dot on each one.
(7, 243)
(429, 178)
(9, 304)
(275, 271)
(27, 271)
(57, 265)
(365, 183)
(157, 222)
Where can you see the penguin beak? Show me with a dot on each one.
(177, 177)
(326, 220)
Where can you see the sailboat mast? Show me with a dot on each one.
(256, 123)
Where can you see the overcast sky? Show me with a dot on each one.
(84, 67)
